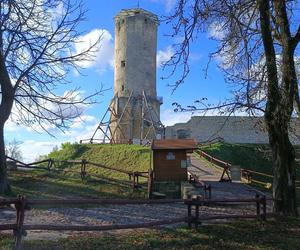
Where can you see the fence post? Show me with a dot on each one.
(197, 213)
(189, 212)
(49, 164)
(209, 191)
(257, 198)
(83, 166)
(19, 232)
(150, 182)
(264, 204)
(137, 181)
(133, 181)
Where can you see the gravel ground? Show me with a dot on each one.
(107, 215)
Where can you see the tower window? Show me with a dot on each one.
(122, 87)
(123, 64)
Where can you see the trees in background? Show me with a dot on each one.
(37, 52)
(257, 52)
(12, 149)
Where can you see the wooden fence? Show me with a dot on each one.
(133, 176)
(201, 184)
(248, 175)
(21, 204)
(225, 165)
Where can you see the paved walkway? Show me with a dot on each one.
(211, 174)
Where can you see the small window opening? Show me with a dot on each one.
(146, 20)
(122, 87)
(123, 63)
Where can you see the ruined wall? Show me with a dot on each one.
(231, 129)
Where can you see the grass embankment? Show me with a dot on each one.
(66, 184)
(238, 235)
(254, 157)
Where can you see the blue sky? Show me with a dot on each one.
(99, 19)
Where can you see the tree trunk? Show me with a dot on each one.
(284, 188)
(4, 186)
(278, 110)
(7, 100)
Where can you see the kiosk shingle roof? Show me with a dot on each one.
(174, 144)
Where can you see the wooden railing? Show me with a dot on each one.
(133, 176)
(199, 183)
(22, 204)
(247, 174)
(224, 165)
(260, 202)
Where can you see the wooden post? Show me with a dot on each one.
(197, 214)
(133, 181)
(19, 232)
(209, 191)
(257, 205)
(137, 181)
(189, 212)
(82, 169)
(264, 204)
(150, 182)
(49, 164)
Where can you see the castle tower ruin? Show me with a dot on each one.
(135, 108)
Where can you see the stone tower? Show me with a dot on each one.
(135, 108)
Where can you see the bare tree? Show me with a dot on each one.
(257, 49)
(12, 149)
(37, 39)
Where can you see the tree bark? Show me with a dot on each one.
(278, 111)
(4, 185)
(7, 100)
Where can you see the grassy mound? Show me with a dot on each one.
(98, 183)
(120, 156)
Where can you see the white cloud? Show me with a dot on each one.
(164, 55)
(82, 128)
(169, 4)
(31, 149)
(103, 57)
(169, 117)
(216, 31)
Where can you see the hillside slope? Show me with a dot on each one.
(98, 183)
(125, 157)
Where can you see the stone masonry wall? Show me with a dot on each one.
(230, 129)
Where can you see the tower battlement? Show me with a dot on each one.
(136, 12)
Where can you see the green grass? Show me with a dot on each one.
(249, 156)
(125, 157)
(280, 234)
(44, 184)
